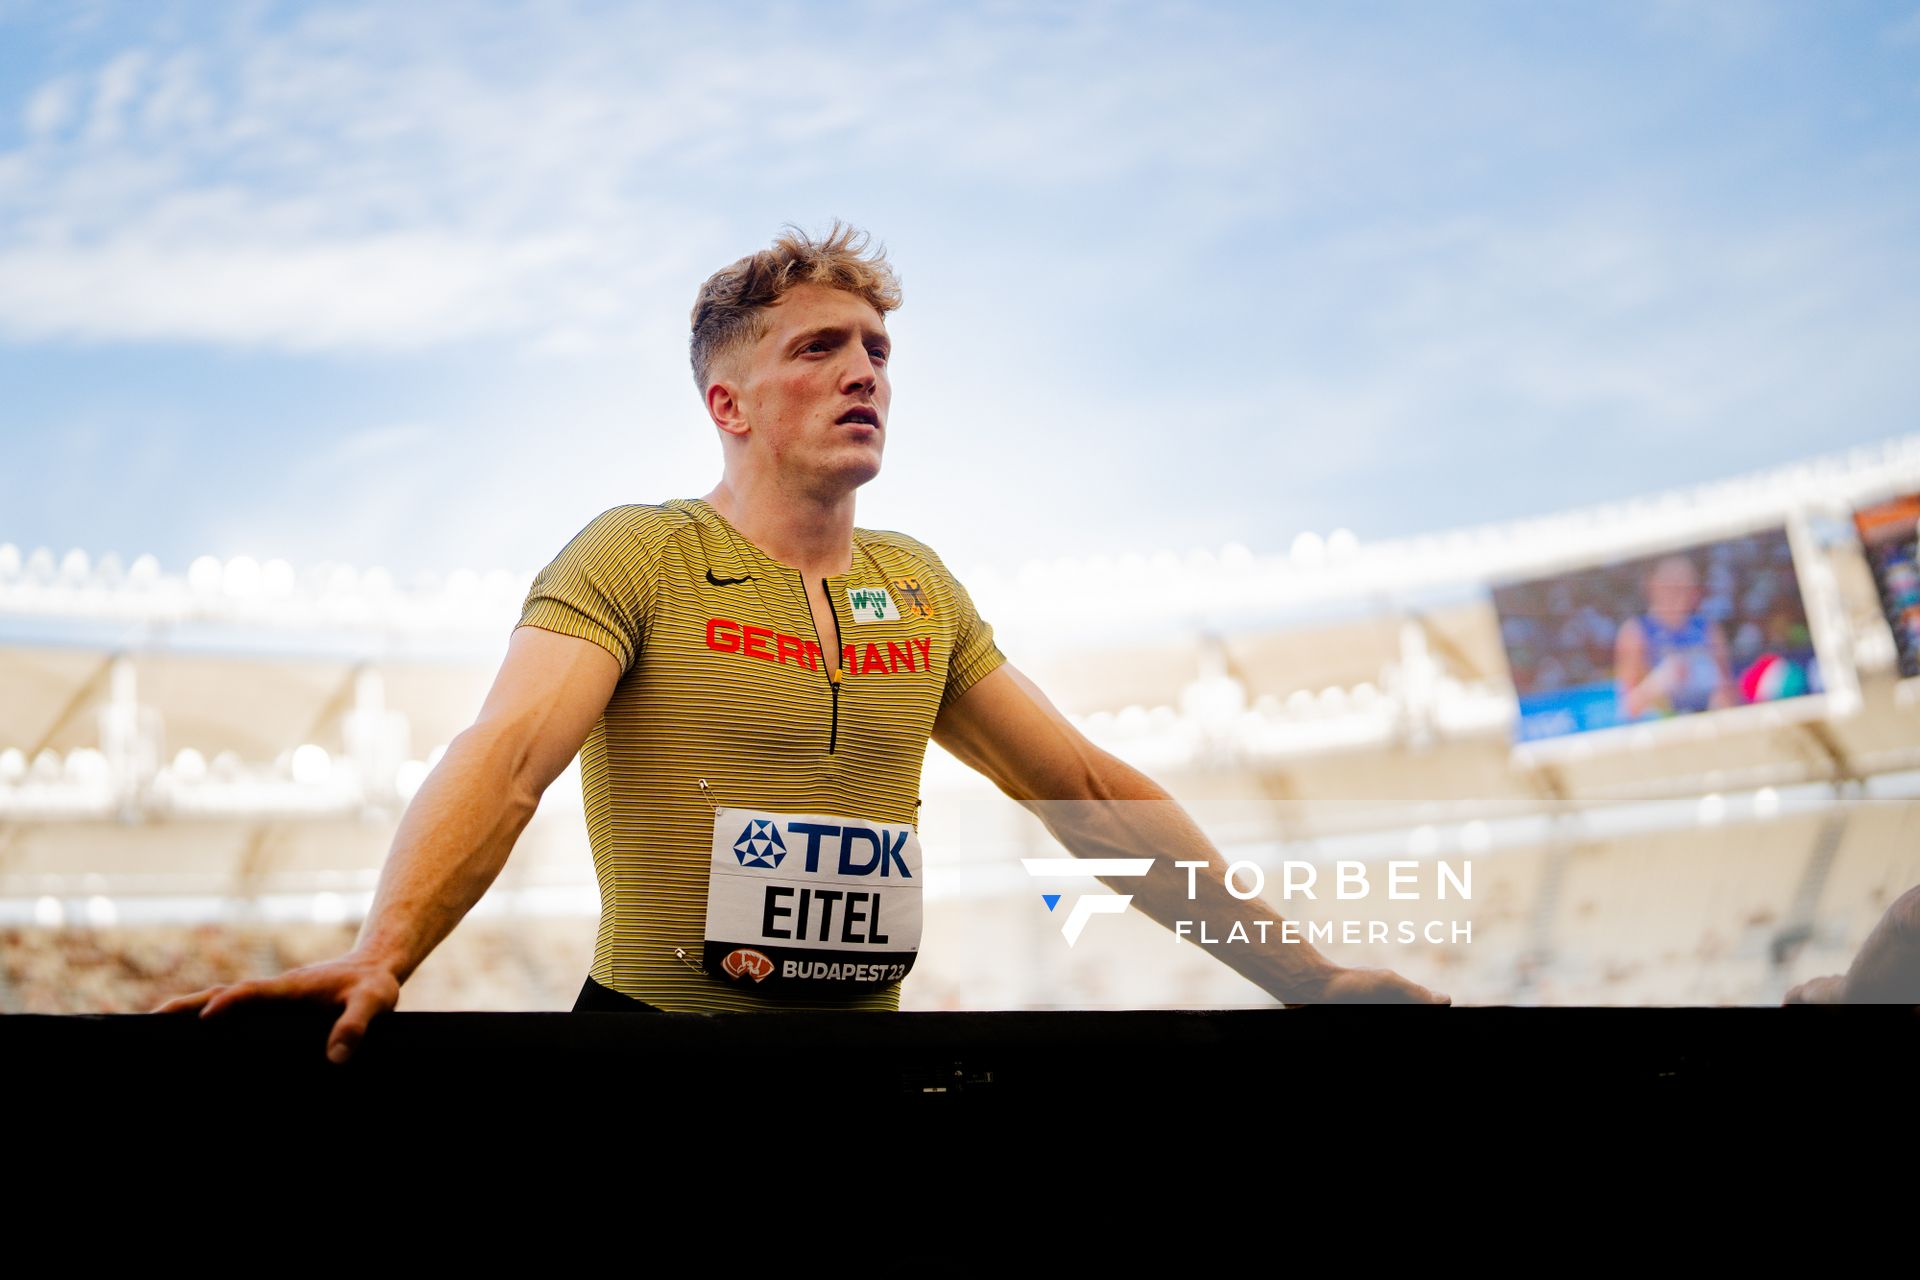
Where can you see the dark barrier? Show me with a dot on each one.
(978, 1063)
(952, 1136)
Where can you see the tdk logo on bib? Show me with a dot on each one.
(760, 845)
(846, 850)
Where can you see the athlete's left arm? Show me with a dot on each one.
(1098, 806)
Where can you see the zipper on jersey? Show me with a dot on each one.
(833, 672)
(831, 659)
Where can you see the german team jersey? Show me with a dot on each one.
(753, 819)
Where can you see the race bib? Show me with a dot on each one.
(803, 904)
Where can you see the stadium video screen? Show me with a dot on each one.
(1887, 531)
(1721, 624)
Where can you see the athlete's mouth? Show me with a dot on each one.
(860, 414)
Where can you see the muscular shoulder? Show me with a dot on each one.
(892, 545)
(638, 529)
(618, 554)
(650, 521)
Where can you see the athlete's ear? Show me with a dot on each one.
(724, 407)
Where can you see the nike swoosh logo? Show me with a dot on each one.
(727, 582)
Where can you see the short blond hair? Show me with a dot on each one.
(730, 311)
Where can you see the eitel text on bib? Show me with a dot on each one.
(811, 904)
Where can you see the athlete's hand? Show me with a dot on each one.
(363, 988)
(1374, 986)
(1831, 989)
(1666, 676)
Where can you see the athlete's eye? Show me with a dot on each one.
(880, 354)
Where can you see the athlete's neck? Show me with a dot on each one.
(812, 535)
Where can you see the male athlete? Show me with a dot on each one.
(750, 682)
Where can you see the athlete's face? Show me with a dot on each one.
(814, 391)
(1673, 591)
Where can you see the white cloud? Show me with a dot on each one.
(361, 179)
(49, 106)
(1263, 255)
(117, 85)
(382, 289)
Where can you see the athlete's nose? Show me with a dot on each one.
(861, 374)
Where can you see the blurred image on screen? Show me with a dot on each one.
(1701, 628)
(1887, 532)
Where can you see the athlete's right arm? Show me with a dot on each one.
(456, 833)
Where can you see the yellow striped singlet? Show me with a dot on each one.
(724, 679)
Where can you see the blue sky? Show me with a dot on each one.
(408, 285)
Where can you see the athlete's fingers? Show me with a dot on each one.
(1379, 986)
(225, 998)
(256, 989)
(181, 1004)
(351, 1026)
(1825, 990)
(1407, 991)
